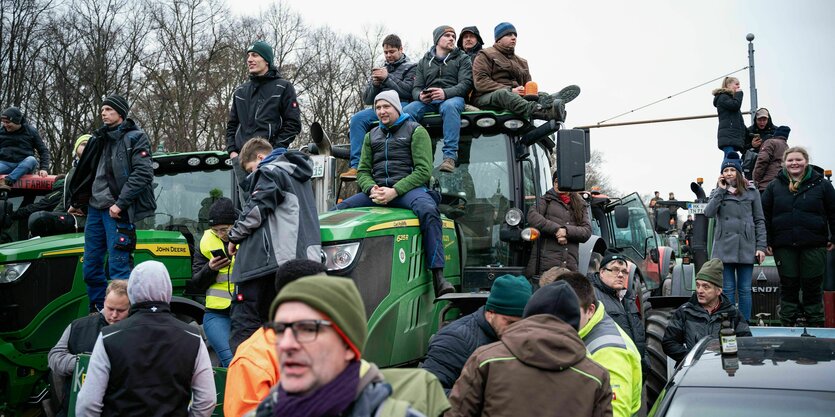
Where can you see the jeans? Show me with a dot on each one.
(737, 278)
(425, 207)
(99, 238)
(18, 169)
(360, 125)
(216, 326)
(727, 150)
(450, 110)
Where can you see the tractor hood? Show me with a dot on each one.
(159, 243)
(358, 223)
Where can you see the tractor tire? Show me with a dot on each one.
(656, 323)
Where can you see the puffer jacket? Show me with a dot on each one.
(805, 219)
(401, 79)
(453, 73)
(732, 130)
(452, 346)
(549, 215)
(265, 106)
(623, 311)
(22, 143)
(691, 322)
(769, 161)
(539, 367)
(496, 69)
(740, 225)
(386, 154)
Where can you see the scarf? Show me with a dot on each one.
(508, 52)
(564, 197)
(330, 399)
(794, 185)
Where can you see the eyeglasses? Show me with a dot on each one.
(618, 271)
(221, 229)
(304, 331)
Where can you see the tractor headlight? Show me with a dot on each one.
(513, 217)
(530, 234)
(338, 257)
(12, 272)
(212, 160)
(513, 124)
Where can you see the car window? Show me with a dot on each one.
(739, 402)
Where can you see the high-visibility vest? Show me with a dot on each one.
(219, 295)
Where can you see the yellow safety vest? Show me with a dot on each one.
(219, 295)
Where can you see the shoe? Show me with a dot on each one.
(440, 284)
(6, 184)
(555, 111)
(448, 165)
(351, 173)
(567, 94)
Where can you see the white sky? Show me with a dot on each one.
(625, 54)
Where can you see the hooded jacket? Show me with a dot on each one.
(740, 225)
(805, 219)
(623, 311)
(265, 106)
(732, 130)
(453, 73)
(497, 69)
(401, 79)
(549, 215)
(539, 367)
(691, 322)
(769, 161)
(279, 222)
(479, 44)
(22, 143)
(397, 156)
(765, 133)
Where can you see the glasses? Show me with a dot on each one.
(617, 271)
(221, 229)
(304, 331)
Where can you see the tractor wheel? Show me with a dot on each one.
(656, 323)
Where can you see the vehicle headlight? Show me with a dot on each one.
(513, 217)
(12, 272)
(193, 161)
(513, 124)
(530, 234)
(485, 122)
(338, 257)
(212, 160)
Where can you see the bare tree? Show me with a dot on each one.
(596, 175)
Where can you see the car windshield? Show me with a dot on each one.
(744, 402)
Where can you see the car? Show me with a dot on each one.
(769, 376)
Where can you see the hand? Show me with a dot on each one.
(756, 142)
(425, 97)
(438, 94)
(519, 90)
(231, 249)
(115, 211)
(561, 232)
(233, 154)
(75, 212)
(770, 252)
(383, 195)
(760, 256)
(42, 173)
(721, 183)
(219, 262)
(379, 75)
(562, 241)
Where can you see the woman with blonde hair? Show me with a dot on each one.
(732, 129)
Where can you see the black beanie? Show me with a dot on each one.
(782, 132)
(222, 212)
(13, 114)
(118, 103)
(557, 299)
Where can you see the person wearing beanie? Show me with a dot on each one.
(211, 269)
(18, 143)
(731, 131)
(450, 348)
(501, 76)
(541, 350)
(319, 325)
(150, 363)
(113, 186)
(396, 74)
(770, 158)
(395, 173)
(703, 314)
(469, 41)
(739, 237)
(443, 80)
(608, 344)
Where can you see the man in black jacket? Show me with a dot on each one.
(453, 345)
(18, 142)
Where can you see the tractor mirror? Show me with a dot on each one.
(571, 160)
(621, 216)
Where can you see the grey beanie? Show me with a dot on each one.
(149, 281)
(439, 31)
(118, 103)
(391, 97)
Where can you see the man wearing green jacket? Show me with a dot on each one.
(609, 346)
(394, 171)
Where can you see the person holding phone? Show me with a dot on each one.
(211, 269)
(739, 236)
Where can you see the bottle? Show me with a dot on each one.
(727, 337)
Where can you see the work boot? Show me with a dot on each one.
(448, 165)
(554, 112)
(6, 185)
(349, 174)
(440, 283)
(567, 93)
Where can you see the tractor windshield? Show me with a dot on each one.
(637, 236)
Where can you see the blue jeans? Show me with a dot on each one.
(18, 169)
(361, 123)
(737, 278)
(217, 331)
(450, 110)
(425, 208)
(99, 238)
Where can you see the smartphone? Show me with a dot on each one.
(219, 253)
(426, 91)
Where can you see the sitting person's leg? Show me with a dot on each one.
(357, 200)
(418, 109)
(360, 124)
(25, 166)
(507, 100)
(450, 110)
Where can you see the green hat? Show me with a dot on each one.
(264, 49)
(337, 298)
(509, 295)
(711, 272)
(81, 139)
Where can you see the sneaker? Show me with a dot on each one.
(567, 94)
(448, 165)
(351, 173)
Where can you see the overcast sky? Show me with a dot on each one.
(626, 54)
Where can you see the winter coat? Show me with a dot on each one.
(265, 106)
(623, 311)
(494, 69)
(691, 322)
(279, 222)
(453, 73)
(450, 348)
(765, 133)
(539, 367)
(769, 161)
(401, 79)
(549, 215)
(397, 156)
(805, 219)
(732, 130)
(740, 225)
(22, 143)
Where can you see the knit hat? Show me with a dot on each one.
(149, 281)
(81, 139)
(503, 29)
(336, 298)
(508, 295)
(782, 132)
(711, 272)
(13, 114)
(557, 299)
(264, 49)
(763, 112)
(469, 29)
(613, 256)
(439, 31)
(222, 212)
(118, 103)
(391, 97)
(731, 160)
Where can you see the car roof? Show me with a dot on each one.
(800, 363)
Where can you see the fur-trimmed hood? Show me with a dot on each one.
(718, 91)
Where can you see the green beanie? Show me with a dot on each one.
(337, 298)
(509, 295)
(264, 49)
(711, 272)
(81, 139)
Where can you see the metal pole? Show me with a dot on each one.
(752, 80)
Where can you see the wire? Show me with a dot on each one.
(676, 94)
